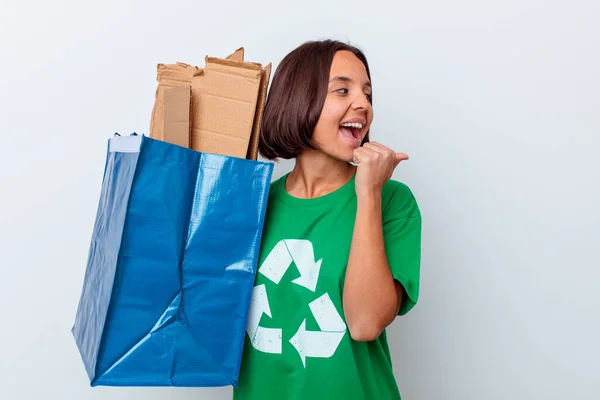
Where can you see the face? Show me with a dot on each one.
(347, 113)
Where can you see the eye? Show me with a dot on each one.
(369, 96)
(342, 91)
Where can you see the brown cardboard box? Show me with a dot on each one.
(225, 96)
(177, 116)
(265, 76)
(168, 76)
(227, 101)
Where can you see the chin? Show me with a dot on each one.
(346, 156)
(339, 151)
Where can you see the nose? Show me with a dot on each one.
(360, 101)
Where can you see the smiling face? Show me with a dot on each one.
(347, 113)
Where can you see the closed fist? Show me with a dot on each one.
(376, 163)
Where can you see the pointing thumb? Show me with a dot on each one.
(401, 157)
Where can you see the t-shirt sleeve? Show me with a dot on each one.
(401, 220)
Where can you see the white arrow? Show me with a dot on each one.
(326, 315)
(281, 257)
(276, 263)
(324, 343)
(303, 255)
(315, 344)
(267, 340)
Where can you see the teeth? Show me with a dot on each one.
(353, 125)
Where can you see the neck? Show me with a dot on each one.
(316, 174)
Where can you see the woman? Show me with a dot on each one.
(340, 252)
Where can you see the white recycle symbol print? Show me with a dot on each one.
(321, 343)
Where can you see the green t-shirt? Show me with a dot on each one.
(297, 344)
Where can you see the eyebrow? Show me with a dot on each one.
(346, 79)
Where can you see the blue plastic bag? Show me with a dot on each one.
(171, 266)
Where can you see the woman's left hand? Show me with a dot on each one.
(376, 163)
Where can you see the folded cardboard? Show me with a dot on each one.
(237, 55)
(260, 106)
(227, 101)
(168, 76)
(225, 96)
(177, 115)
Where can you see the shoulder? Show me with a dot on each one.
(398, 199)
(275, 186)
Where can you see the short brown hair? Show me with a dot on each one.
(297, 96)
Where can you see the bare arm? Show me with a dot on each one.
(372, 297)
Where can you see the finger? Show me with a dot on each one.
(356, 155)
(369, 152)
(362, 154)
(401, 157)
(376, 147)
(389, 152)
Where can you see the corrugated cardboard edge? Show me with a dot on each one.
(177, 116)
(260, 106)
(237, 55)
(233, 63)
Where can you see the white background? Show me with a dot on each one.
(496, 102)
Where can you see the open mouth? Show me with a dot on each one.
(352, 130)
